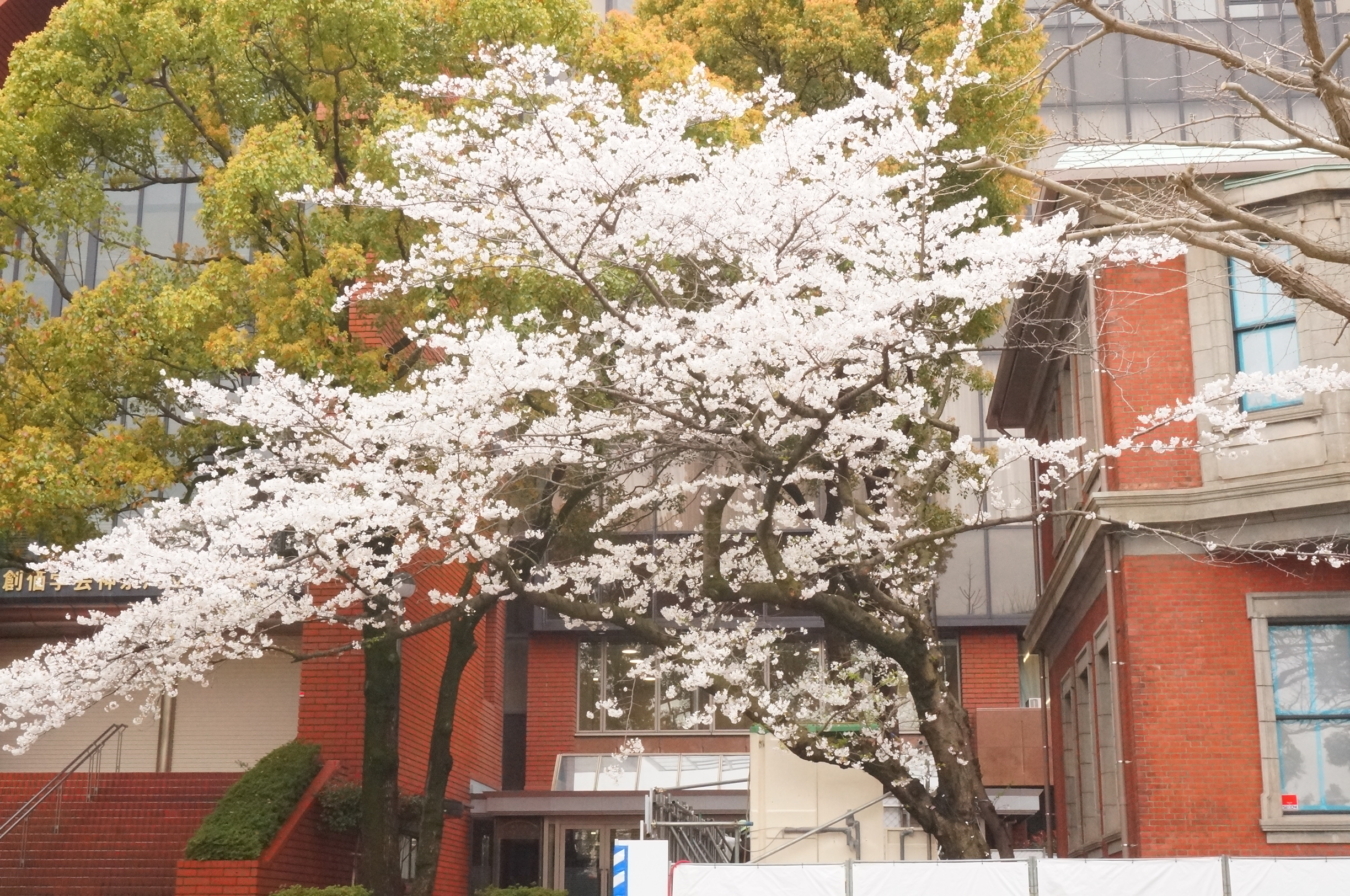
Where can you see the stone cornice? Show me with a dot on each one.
(1272, 497)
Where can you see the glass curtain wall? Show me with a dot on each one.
(1121, 89)
(990, 572)
(159, 219)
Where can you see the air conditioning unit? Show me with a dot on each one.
(1033, 703)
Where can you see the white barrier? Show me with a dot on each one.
(753, 880)
(1040, 877)
(1129, 877)
(1288, 877)
(946, 878)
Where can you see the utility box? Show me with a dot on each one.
(641, 868)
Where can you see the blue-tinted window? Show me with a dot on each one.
(1264, 330)
(1310, 670)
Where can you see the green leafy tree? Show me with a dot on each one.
(240, 100)
(815, 47)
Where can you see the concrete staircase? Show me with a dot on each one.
(125, 841)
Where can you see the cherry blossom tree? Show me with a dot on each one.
(743, 412)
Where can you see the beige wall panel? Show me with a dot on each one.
(56, 748)
(249, 709)
(787, 792)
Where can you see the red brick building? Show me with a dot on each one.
(1197, 706)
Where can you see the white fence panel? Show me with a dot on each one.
(945, 878)
(758, 880)
(1053, 877)
(1288, 877)
(1132, 877)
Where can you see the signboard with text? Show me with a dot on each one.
(23, 584)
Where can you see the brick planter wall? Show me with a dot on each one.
(301, 853)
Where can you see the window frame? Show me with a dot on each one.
(1294, 608)
(1264, 325)
(1089, 750)
(1311, 715)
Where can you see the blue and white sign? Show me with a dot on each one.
(620, 869)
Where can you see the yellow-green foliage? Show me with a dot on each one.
(815, 47)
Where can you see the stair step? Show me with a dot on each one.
(124, 841)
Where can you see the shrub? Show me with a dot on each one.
(323, 891)
(519, 891)
(249, 814)
(340, 807)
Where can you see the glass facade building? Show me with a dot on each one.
(1122, 88)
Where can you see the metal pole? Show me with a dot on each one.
(1227, 880)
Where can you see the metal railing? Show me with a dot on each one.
(93, 755)
(693, 837)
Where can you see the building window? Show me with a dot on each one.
(1106, 736)
(611, 698)
(1091, 759)
(1301, 649)
(1265, 335)
(1310, 674)
(990, 572)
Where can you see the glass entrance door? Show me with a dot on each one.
(586, 852)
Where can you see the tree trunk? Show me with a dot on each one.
(952, 812)
(960, 800)
(440, 761)
(379, 767)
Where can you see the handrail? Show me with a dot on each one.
(93, 753)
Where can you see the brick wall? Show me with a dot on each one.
(18, 19)
(476, 742)
(551, 707)
(1191, 702)
(332, 710)
(302, 853)
(332, 706)
(1187, 694)
(989, 669)
(1145, 337)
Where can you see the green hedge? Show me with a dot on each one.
(340, 806)
(323, 891)
(250, 813)
(519, 891)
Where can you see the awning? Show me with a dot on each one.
(1016, 800)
